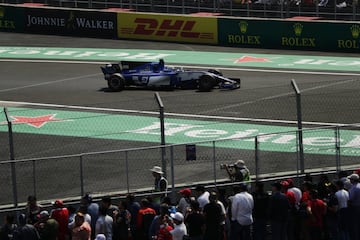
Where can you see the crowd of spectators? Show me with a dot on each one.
(292, 210)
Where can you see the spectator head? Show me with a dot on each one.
(200, 188)
(44, 215)
(122, 204)
(166, 200)
(177, 217)
(22, 219)
(106, 201)
(156, 171)
(354, 178)
(240, 163)
(102, 211)
(79, 219)
(343, 174)
(213, 197)
(130, 197)
(58, 204)
(86, 199)
(100, 237)
(339, 184)
(308, 178)
(313, 193)
(243, 187)
(194, 205)
(145, 202)
(186, 192)
(291, 182)
(164, 209)
(31, 200)
(276, 186)
(284, 185)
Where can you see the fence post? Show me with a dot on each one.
(81, 176)
(12, 157)
(214, 163)
(257, 153)
(172, 169)
(162, 129)
(127, 171)
(337, 148)
(34, 177)
(299, 121)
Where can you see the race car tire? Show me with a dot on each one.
(116, 83)
(206, 83)
(215, 71)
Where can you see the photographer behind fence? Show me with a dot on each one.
(238, 172)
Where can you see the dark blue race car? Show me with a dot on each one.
(157, 75)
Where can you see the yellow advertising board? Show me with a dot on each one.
(170, 28)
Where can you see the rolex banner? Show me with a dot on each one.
(297, 35)
(11, 19)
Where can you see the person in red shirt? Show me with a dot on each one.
(144, 219)
(61, 215)
(316, 210)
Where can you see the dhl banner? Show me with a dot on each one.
(172, 28)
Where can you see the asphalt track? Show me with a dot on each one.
(266, 97)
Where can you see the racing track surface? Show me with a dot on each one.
(327, 97)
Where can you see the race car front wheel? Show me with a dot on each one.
(206, 83)
(116, 83)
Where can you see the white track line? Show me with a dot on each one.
(73, 107)
(235, 68)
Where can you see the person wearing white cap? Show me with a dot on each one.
(179, 230)
(160, 184)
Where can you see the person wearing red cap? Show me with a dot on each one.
(184, 202)
(61, 214)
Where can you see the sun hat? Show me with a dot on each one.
(157, 169)
(177, 216)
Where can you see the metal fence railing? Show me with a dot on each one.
(314, 9)
(127, 170)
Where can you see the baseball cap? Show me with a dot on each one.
(100, 237)
(185, 191)
(44, 214)
(353, 176)
(58, 203)
(177, 216)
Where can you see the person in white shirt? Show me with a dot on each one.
(241, 214)
(179, 230)
(203, 198)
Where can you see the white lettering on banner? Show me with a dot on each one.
(59, 53)
(170, 128)
(327, 62)
(45, 21)
(285, 139)
(319, 141)
(95, 24)
(247, 135)
(206, 133)
(25, 52)
(242, 134)
(345, 63)
(354, 143)
(148, 56)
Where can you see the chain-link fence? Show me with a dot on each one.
(124, 171)
(325, 9)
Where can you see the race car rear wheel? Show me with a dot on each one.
(206, 83)
(116, 83)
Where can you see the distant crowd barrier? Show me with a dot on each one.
(215, 30)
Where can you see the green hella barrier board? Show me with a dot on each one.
(297, 35)
(147, 129)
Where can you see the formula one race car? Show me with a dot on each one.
(157, 75)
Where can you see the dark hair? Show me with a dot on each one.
(106, 199)
(339, 184)
(130, 197)
(145, 202)
(194, 205)
(102, 211)
(31, 198)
